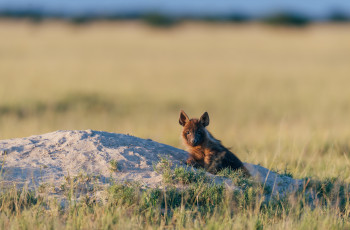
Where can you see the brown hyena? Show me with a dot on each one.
(206, 151)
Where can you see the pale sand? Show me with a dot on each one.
(48, 158)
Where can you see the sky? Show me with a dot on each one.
(317, 9)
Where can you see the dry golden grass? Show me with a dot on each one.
(278, 96)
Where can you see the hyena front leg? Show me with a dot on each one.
(209, 165)
(192, 162)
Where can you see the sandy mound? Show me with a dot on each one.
(50, 157)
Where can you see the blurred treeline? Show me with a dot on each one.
(164, 20)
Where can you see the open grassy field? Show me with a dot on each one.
(278, 96)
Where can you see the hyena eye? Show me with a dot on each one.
(199, 132)
(188, 132)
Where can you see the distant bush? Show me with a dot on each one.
(288, 19)
(159, 20)
(339, 16)
(35, 16)
(238, 18)
(80, 20)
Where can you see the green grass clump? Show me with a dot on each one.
(123, 194)
(238, 178)
(180, 174)
(331, 192)
(184, 175)
(114, 166)
(14, 201)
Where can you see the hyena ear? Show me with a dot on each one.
(183, 118)
(204, 119)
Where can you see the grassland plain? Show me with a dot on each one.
(278, 96)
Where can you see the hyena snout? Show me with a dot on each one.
(194, 140)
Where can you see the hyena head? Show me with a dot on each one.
(194, 132)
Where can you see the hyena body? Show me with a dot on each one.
(206, 151)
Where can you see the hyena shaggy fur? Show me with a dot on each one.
(206, 151)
